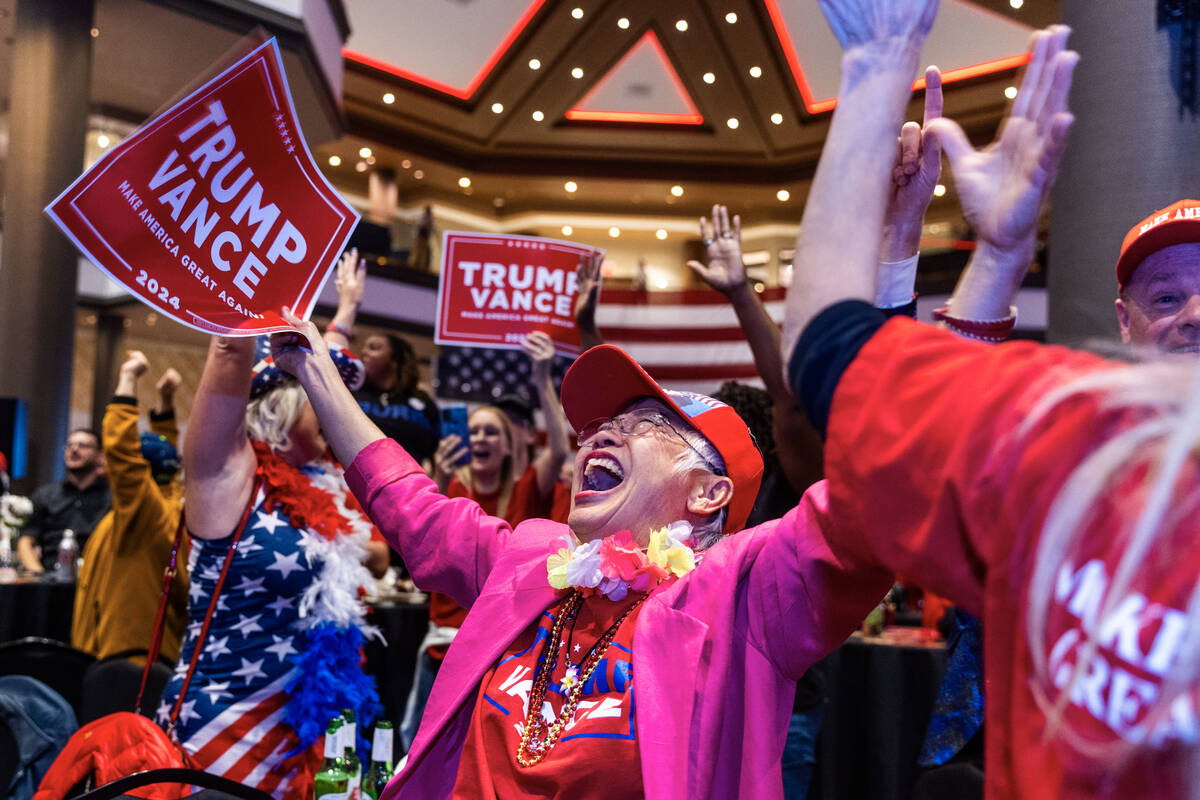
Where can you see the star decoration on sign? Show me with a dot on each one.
(288, 564)
(246, 625)
(282, 647)
(216, 690)
(281, 603)
(250, 670)
(269, 521)
(248, 587)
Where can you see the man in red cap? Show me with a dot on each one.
(650, 647)
(1158, 276)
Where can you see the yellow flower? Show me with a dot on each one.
(656, 551)
(677, 560)
(556, 568)
(680, 561)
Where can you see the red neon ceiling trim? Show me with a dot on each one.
(814, 106)
(461, 93)
(693, 117)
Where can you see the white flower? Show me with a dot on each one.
(584, 569)
(679, 533)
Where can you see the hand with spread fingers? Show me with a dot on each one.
(587, 279)
(725, 271)
(351, 278)
(914, 177)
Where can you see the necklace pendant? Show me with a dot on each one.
(570, 679)
(535, 745)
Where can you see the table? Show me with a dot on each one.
(36, 607)
(403, 625)
(880, 699)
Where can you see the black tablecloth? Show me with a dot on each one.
(403, 626)
(880, 698)
(36, 608)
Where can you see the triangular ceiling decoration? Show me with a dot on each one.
(642, 87)
(474, 25)
(997, 44)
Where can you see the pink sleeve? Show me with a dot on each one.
(448, 545)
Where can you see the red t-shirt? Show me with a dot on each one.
(596, 755)
(928, 471)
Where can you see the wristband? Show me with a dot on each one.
(993, 331)
(894, 281)
(337, 327)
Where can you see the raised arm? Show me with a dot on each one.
(1002, 186)
(351, 281)
(587, 277)
(540, 349)
(162, 418)
(127, 470)
(915, 172)
(837, 248)
(217, 456)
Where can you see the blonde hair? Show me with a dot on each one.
(507, 479)
(270, 418)
(1163, 398)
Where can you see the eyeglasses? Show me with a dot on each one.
(638, 423)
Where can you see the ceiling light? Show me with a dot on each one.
(784, 195)
(732, 122)
(95, 33)
(577, 72)
(498, 202)
(577, 13)
(405, 164)
(1016, 3)
(464, 182)
(103, 140)
(777, 118)
(623, 23)
(389, 98)
(335, 161)
(756, 71)
(661, 233)
(677, 190)
(571, 187)
(661, 283)
(364, 152)
(371, 160)
(614, 231)
(710, 78)
(360, 166)
(418, 174)
(939, 190)
(535, 64)
(731, 17)
(497, 108)
(538, 116)
(1011, 92)
(681, 25)
(567, 230)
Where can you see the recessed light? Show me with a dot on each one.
(1011, 92)
(784, 195)
(535, 64)
(95, 33)
(364, 152)
(732, 122)
(681, 25)
(939, 190)
(103, 140)
(677, 190)
(577, 13)
(418, 174)
(623, 23)
(498, 202)
(710, 78)
(777, 118)
(405, 164)
(731, 18)
(464, 182)
(389, 98)
(567, 230)
(571, 187)
(360, 166)
(577, 72)
(661, 233)
(335, 161)
(497, 108)
(1016, 3)
(538, 116)
(756, 71)
(614, 231)
(371, 160)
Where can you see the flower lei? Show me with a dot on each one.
(615, 565)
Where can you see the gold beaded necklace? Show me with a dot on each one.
(538, 738)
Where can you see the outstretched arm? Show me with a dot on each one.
(587, 277)
(540, 349)
(217, 456)
(837, 249)
(351, 280)
(162, 418)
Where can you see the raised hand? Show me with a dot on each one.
(299, 349)
(1002, 186)
(135, 364)
(587, 278)
(540, 349)
(859, 22)
(914, 175)
(168, 383)
(725, 271)
(351, 278)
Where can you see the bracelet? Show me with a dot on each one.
(337, 327)
(985, 330)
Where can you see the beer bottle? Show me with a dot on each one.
(380, 769)
(332, 782)
(350, 761)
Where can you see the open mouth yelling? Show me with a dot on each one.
(601, 473)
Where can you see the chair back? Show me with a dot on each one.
(111, 685)
(59, 666)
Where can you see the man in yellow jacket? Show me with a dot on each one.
(121, 579)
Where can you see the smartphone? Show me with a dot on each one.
(454, 421)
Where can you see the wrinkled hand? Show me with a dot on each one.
(587, 278)
(725, 271)
(351, 278)
(450, 451)
(918, 162)
(858, 22)
(136, 364)
(169, 382)
(1002, 186)
(540, 349)
(300, 349)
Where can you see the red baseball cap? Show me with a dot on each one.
(605, 379)
(1178, 223)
